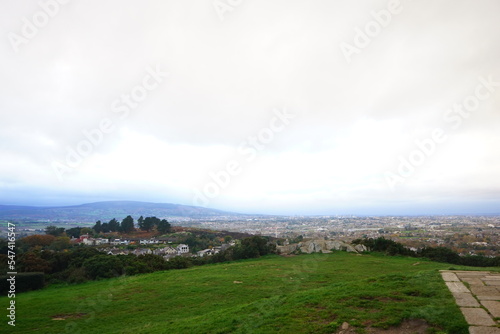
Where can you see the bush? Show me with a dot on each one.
(77, 275)
(103, 266)
(252, 247)
(80, 255)
(24, 282)
(33, 262)
(439, 254)
(179, 262)
(153, 262)
(137, 267)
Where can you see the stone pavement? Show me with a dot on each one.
(478, 295)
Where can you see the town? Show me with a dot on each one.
(156, 246)
(467, 235)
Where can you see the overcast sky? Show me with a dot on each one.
(282, 107)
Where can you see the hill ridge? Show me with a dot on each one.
(105, 210)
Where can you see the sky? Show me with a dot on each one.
(280, 107)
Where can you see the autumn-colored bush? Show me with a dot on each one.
(38, 240)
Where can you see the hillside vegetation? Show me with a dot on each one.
(313, 293)
(104, 210)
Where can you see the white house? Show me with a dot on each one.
(94, 242)
(89, 241)
(182, 249)
(101, 241)
(205, 252)
(151, 241)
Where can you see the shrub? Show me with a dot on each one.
(103, 266)
(24, 282)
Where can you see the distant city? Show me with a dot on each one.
(467, 235)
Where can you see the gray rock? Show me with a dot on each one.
(288, 249)
(361, 248)
(320, 245)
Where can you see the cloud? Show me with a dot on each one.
(225, 79)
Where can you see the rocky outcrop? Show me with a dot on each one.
(361, 248)
(320, 245)
(288, 249)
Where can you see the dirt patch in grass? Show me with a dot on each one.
(315, 306)
(391, 299)
(68, 316)
(318, 314)
(366, 310)
(412, 326)
(382, 299)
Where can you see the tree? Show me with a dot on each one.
(79, 255)
(254, 247)
(54, 230)
(74, 232)
(154, 262)
(86, 230)
(31, 261)
(114, 225)
(59, 261)
(97, 227)
(127, 224)
(105, 228)
(38, 240)
(441, 254)
(179, 262)
(4, 247)
(103, 266)
(148, 223)
(164, 226)
(60, 243)
(142, 224)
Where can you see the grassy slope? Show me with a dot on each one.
(302, 294)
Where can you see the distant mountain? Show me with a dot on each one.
(92, 212)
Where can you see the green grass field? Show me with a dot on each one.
(312, 293)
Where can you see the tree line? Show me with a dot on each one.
(438, 254)
(127, 225)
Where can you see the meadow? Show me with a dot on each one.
(313, 293)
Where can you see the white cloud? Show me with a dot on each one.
(225, 77)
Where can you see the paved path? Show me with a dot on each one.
(478, 298)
